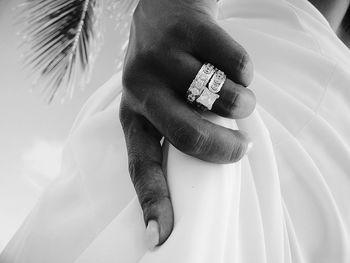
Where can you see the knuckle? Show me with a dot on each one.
(136, 83)
(150, 52)
(124, 115)
(182, 28)
(239, 146)
(150, 198)
(128, 116)
(234, 103)
(237, 153)
(200, 142)
(139, 65)
(191, 140)
(129, 75)
(180, 139)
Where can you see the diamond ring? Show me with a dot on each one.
(217, 81)
(200, 81)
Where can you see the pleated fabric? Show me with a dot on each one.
(286, 202)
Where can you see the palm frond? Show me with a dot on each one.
(59, 34)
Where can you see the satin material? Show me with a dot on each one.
(286, 202)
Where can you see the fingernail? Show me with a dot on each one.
(249, 147)
(152, 234)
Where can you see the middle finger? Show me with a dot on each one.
(235, 101)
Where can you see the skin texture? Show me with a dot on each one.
(169, 41)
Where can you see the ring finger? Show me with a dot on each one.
(235, 101)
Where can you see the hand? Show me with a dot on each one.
(169, 42)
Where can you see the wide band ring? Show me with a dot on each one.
(200, 82)
(217, 81)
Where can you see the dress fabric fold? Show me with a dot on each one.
(287, 201)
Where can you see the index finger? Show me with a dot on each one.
(188, 131)
(145, 167)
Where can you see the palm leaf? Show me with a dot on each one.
(59, 34)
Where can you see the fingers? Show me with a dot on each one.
(235, 101)
(145, 166)
(213, 44)
(189, 132)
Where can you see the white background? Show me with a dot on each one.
(32, 133)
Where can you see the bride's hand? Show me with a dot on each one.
(169, 42)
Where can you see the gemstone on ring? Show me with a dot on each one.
(207, 98)
(217, 81)
(200, 81)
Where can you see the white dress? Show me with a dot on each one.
(287, 202)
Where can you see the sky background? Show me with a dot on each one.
(33, 133)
